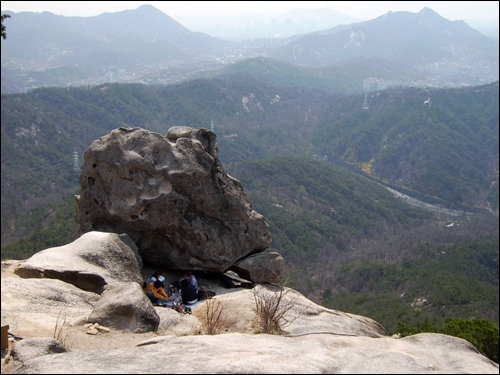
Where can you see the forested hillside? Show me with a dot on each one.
(346, 77)
(354, 247)
(445, 150)
(438, 142)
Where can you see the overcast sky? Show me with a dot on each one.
(364, 10)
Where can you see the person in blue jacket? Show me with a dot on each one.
(192, 279)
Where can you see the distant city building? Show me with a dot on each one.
(440, 68)
(376, 84)
(108, 76)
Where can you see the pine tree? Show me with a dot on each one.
(4, 33)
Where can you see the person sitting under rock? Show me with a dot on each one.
(192, 279)
(188, 293)
(155, 276)
(156, 293)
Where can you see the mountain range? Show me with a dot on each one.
(144, 36)
(147, 46)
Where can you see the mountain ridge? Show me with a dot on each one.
(412, 39)
(145, 45)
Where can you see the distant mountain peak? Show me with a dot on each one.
(428, 13)
(148, 8)
(427, 10)
(144, 20)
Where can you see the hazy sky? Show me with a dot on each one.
(364, 10)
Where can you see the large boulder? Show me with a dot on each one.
(125, 307)
(261, 268)
(93, 262)
(171, 195)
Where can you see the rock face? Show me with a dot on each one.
(36, 347)
(320, 340)
(261, 268)
(125, 307)
(171, 196)
(92, 262)
(237, 353)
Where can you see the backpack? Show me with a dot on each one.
(205, 294)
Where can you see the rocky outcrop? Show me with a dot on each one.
(36, 347)
(125, 307)
(171, 195)
(37, 305)
(261, 268)
(91, 262)
(266, 354)
(318, 340)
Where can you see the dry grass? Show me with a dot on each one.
(273, 308)
(213, 316)
(62, 329)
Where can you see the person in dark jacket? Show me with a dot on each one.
(188, 293)
(189, 276)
